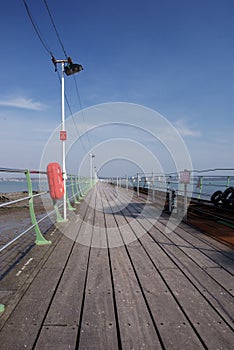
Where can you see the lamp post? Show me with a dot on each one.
(69, 69)
(91, 155)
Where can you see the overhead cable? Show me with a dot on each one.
(56, 31)
(40, 36)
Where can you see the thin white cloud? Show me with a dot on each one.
(186, 130)
(22, 102)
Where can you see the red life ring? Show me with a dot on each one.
(55, 180)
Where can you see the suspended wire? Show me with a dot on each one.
(40, 36)
(46, 47)
(64, 51)
(81, 108)
(56, 31)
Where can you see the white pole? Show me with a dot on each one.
(91, 168)
(63, 147)
(138, 186)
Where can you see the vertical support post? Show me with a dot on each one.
(127, 182)
(185, 201)
(73, 191)
(63, 146)
(58, 215)
(117, 182)
(77, 189)
(228, 182)
(200, 187)
(153, 189)
(2, 308)
(40, 240)
(138, 186)
(69, 206)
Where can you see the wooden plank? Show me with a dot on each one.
(66, 305)
(221, 255)
(223, 278)
(206, 258)
(65, 309)
(24, 324)
(174, 328)
(221, 300)
(98, 328)
(137, 330)
(57, 337)
(211, 328)
(212, 291)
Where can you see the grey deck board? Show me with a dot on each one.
(118, 280)
(137, 330)
(98, 319)
(212, 291)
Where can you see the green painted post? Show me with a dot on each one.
(69, 206)
(82, 188)
(59, 218)
(40, 240)
(228, 182)
(2, 308)
(77, 189)
(200, 187)
(73, 191)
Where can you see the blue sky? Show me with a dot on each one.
(173, 56)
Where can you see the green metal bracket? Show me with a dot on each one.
(59, 218)
(2, 308)
(200, 188)
(69, 206)
(73, 191)
(78, 190)
(228, 182)
(40, 240)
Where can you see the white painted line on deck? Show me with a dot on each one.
(24, 267)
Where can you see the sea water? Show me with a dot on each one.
(17, 186)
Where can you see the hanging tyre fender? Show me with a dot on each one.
(216, 197)
(55, 180)
(228, 195)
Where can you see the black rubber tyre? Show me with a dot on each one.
(228, 196)
(216, 197)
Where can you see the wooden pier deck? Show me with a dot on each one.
(118, 279)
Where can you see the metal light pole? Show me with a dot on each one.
(69, 69)
(91, 155)
(63, 138)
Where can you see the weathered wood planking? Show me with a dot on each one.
(118, 279)
(168, 317)
(98, 327)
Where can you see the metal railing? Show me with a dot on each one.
(202, 184)
(35, 209)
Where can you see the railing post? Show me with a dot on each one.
(59, 217)
(69, 206)
(228, 182)
(40, 240)
(200, 187)
(138, 186)
(73, 191)
(153, 190)
(2, 308)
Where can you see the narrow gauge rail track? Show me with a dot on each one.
(212, 220)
